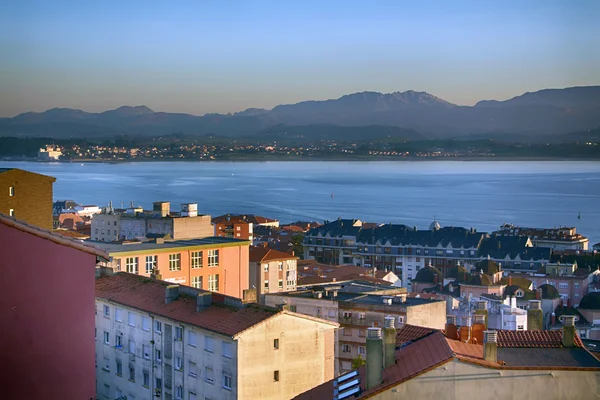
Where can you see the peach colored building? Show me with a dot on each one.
(272, 271)
(214, 263)
(47, 336)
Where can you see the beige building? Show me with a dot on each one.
(357, 306)
(425, 364)
(272, 271)
(161, 341)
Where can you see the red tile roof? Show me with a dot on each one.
(322, 273)
(45, 234)
(537, 339)
(410, 333)
(71, 234)
(260, 254)
(149, 295)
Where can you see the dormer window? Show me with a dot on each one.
(520, 293)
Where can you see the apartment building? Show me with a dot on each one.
(134, 222)
(161, 341)
(272, 271)
(46, 340)
(561, 238)
(26, 196)
(424, 363)
(356, 306)
(216, 264)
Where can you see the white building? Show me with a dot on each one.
(159, 341)
(49, 153)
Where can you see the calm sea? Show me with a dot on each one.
(475, 194)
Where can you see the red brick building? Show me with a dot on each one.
(46, 308)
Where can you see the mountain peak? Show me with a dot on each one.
(126, 111)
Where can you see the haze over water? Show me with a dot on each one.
(475, 194)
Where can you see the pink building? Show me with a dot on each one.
(47, 336)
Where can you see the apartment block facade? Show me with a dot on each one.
(272, 271)
(26, 196)
(157, 341)
(215, 264)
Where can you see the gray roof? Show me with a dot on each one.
(120, 248)
(540, 357)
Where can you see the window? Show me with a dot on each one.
(106, 311)
(118, 341)
(178, 363)
(106, 338)
(197, 282)
(179, 392)
(157, 327)
(276, 376)
(576, 295)
(158, 383)
(118, 315)
(213, 258)
(146, 351)
(178, 333)
(192, 340)
(209, 344)
(118, 263)
(196, 257)
(150, 264)
(318, 310)
(346, 348)
(520, 327)
(266, 285)
(175, 262)
(157, 355)
(132, 373)
(331, 313)
(280, 266)
(400, 319)
(292, 308)
(347, 331)
(209, 375)
(131, 346)
(576, 284)
(146, 380)
(361, 315)
(131, 319)
(146, 324)
(362, 350)
(95, 333)
(11, 212)
(227, 381)
(192, 369)
(192, 396)
(106, 366)
(563, 285)
(131, 265)
(11, 191)
(226, 349)
(119, 368)
(213, 283)
(280, 284)
(266, 267)
(106, 390)
(276, 344)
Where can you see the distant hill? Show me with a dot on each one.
(295, 134)
(541, 113)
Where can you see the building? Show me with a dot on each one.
(425, 364)
(134, 222)
(272, 271)
(86, 210)
(46, 343)
(311, 272)
(213, 263)
(356, 306)
(161, 341)
(26, 196)
(63, 205)
(596, 246)
(238, 228)
(515, 253)
(49, 153)
(561, 238)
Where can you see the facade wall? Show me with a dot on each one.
(192, 227)
(183, 365)
(106, 227)
(477, 291)
(459, 380)
(304, 359)
(31, 199)
(571, 289)
(274, 276)
(232, 270)
(47, 343)
(236, 230)
(429, 315)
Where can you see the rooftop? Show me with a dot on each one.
(213, 241)
(51, 178)
(260, 254)
(321, 273)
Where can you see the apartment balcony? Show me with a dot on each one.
(357, 321)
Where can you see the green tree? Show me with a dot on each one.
(298, 247)
(358, 362)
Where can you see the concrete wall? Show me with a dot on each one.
(477, 291)
(258, 276)
(47, 340)
(458, 381)
(430, 315)
(305, 358)
(106, 227)
(32, 199)
(192, 227)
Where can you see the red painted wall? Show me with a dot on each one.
(47, 313)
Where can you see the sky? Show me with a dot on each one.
(207, 56)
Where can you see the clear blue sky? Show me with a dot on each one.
(222, 56)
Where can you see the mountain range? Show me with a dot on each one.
(406, 115)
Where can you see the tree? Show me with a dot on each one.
(297, 241)
(358, 362)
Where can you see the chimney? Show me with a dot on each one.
(389, 341)
(481, 305)
(374, 358)
(490, 346)
(553, 319)
(451, 328)
(510, 280)
(318, 294)
(535, 316)
(171, 293)
(568, 333)
(513, 302)
(203, 300)
(435, 279)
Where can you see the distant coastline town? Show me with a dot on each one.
(185, 303)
